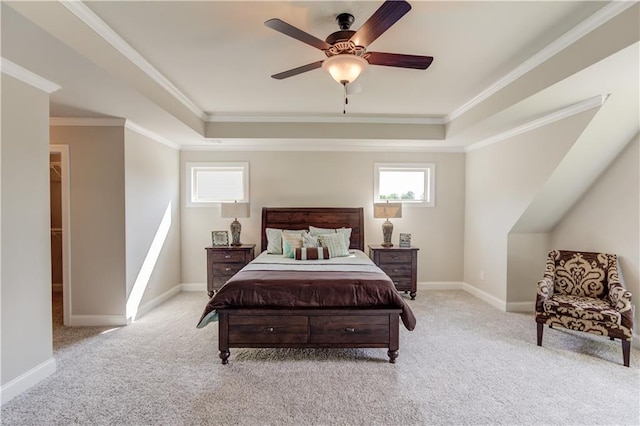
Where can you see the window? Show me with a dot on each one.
(209, 183)
(408, 183)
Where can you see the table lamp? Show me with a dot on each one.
(234, 210)
(385, 211)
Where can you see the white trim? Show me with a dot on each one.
(440, 285)
(521, 306)
(16, 71)
(366, 119)
(87, 121)
(154, 136)
(607, 12)
(483, 295)
(27, 380)
(65, 206)
(93, 21)
(193, 286)
(157, 301)
(321, 146)
(98, 320)
(594, 102)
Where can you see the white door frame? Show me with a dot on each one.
(65, 186)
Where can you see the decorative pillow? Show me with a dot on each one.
(274, 239)
(290, 242)
(312, 253)
(309, 240)
(346, 232)
(335, 244)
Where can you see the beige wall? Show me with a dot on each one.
(26, 275)
(336, 179)
(606, 218)
(501, 181)
(97, 230)
(152, 185)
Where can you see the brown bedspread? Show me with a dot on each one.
(310, 289)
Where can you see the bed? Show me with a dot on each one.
(283, 303)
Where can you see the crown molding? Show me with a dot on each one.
(606, 13)
(306, 118)
(87, 121)
(594, 102)
(16, 71)
(154, 136)
(93, 21)
(332, 145)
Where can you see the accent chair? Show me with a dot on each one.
(582, 291)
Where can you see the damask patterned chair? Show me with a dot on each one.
(582, 291)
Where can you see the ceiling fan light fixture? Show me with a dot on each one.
(345, 68)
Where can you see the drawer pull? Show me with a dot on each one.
(227, 269)
(268, 329)
(394, 257)
(396, 270)
(396, 282)
(228, 256)
(350, 330)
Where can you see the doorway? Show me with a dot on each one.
(60, 233)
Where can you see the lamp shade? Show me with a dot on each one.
(387, 210)
(345, 68)
(234, 210)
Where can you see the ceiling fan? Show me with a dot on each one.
(346, 49)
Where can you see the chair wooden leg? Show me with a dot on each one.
(540, 330)
(626, 351)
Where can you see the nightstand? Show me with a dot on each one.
(400, 263)
(224, 262)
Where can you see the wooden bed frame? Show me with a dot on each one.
(310, 328)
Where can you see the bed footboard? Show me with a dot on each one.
(308, 328)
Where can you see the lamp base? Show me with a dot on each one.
(387, 231)
(235, 233)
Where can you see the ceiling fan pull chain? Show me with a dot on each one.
(346, 100)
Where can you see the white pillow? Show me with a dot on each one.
(274, 238)
(346, 232)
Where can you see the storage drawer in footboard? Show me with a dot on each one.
(362, 329)
(252, 330)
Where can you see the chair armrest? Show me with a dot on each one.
(620, 297)
(545, 291)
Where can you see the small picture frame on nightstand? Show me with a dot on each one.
(405, 240)
(219, 238)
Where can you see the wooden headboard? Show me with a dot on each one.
(321, 217)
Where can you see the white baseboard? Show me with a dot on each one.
(27, 380)
(97, 320)
(193, 286)
(157, 301)
(440, 285)
(483, 295)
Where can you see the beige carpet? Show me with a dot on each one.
(465, 363)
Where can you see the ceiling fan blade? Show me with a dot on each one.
(299, 70)
(399, 60)
(298, 34)
(382, 19)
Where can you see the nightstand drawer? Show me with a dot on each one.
(226, 268)
(402, 284)
(395, 256)
(268, 329)
(228, 256)
(397, 270)
(348, 329)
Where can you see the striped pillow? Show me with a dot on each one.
(290, 242)
(335, 244)
(312, 253)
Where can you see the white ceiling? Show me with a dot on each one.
(183, 70)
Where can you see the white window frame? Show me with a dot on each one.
(191, 170)
(429, 184)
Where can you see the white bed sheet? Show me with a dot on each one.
(357, 261)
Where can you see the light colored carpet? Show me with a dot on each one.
(465, 363)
